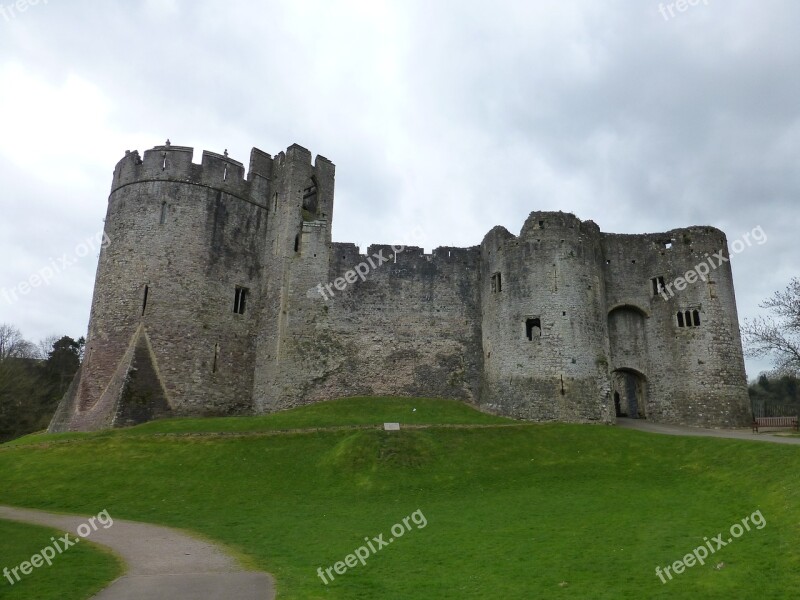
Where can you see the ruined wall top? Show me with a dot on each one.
(219, 171)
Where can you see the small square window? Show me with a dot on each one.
(533, 328)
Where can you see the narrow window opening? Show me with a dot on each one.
(497, 283)
(658, 285)
(533, 328)
(563, 391)
(216, 358)
(164, 164)
(275, 202)
(297, 243)
(541, 224)
(225, 174)
(689, 318)
(240, 300)
(163, 218)
(144, 299)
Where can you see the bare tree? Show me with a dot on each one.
(778, 335)
(13, 345)
(45, 346)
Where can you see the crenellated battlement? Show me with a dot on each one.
(218, 171)
(346, 255)
(174, 163)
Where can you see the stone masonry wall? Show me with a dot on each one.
(695, 375)
(185, 236)
(544, 323)
(410, 328)
(550, 325)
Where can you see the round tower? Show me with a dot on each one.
(173, 308)
(544, 326)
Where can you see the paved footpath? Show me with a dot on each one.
(161, 562)
(733, 434)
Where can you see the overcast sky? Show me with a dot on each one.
(453, 116)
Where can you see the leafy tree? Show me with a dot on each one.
(776, 393)
(33, 378)
(63, 361)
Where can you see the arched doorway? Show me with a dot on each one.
(630, 393)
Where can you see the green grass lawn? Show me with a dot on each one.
(336, 413)
(530, 511)
(79, 572)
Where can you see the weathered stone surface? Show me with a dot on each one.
(559, 323)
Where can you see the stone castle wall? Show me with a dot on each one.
(560, 323)
(544, 329)
(695, 374)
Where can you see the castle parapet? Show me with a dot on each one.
(174, 163)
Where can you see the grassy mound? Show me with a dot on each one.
(345, 412)
(529, 511)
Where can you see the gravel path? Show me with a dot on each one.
(732, 434)
(160, 562)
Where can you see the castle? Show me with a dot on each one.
(221, 294)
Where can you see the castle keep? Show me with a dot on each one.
(207, 302)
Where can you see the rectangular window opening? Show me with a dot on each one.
(240, 300)
(163, 218)
(658, 285)
(216, 358)
(497, 283)
(533, 328)
(689, 317)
